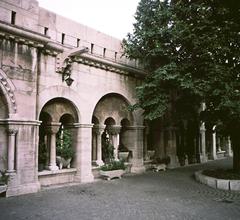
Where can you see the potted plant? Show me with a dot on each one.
(112, 168)
(123, 153)
(64, 149)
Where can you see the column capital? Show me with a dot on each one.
(99, 129)
(11, 131)
(114, 129)
(53, 127)
(79, 125)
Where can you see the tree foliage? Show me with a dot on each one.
(190, 49)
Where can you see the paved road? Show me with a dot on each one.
(173, 194)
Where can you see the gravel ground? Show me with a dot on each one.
(173, 194)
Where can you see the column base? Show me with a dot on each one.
(214, 157)
(11, 171)
(23, 189)
(203, 158)
(52, 167)
(84, 178)
(173, 162)
(138, 169)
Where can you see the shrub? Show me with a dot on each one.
(64, 144)
(113, 165)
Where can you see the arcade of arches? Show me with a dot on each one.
(60, 101)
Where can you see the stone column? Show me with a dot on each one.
(114, 131)
(145, 146)
(172, 148)
(229, 147)
(214, 144)
(203, 156)
(135, 143)
(98, 130)
(94, 147)
(52, 130)
(11, 150)
(83, 162)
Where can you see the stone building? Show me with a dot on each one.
(56, 74)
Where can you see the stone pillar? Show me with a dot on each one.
(98, 130)
(145, 146)
(22, 157)
(94, 147)
(203, 156)
(214, 144)
(229, 148)
(11, 150)
(52, 130)
(83, 152)
(162, 147)
(135, 143)
(114, 131)
(172, 148)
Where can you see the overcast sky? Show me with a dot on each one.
(113, 17)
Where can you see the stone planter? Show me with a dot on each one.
(123, 155)
(62, 163)
(110, 174)
(3, 188)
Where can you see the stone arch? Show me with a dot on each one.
(95, 120)
(109, 121)
(111, 111)
(8, 89)
(59, 92)
(58, 107)
(113, 105)
(58, 116)
(4, 112)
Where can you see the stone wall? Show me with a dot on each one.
(33, 41)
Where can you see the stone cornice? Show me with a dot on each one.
(52, 48)
(19, 122)
(106, 64)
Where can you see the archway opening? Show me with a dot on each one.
(57, 135)
(110, 114)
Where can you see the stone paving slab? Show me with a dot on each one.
(173, 194)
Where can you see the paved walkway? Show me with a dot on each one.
(173, 194)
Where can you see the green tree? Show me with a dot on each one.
(190, 49)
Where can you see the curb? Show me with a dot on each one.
(233, 185)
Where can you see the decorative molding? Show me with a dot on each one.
(99, 64)
(113, 129)
(9, 91)
(21, 40)
(12, 132)
(52, 48)
(99, 129)
(65, 59)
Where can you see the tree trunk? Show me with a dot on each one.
(235, 138)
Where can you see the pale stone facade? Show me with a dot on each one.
(57, 74)
(40, 51)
